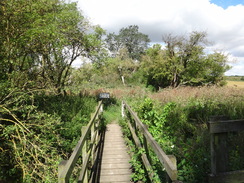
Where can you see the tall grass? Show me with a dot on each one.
(183, 94)
(185, 125)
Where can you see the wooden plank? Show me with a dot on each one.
(219, 152)
(170, 168)
(226, 126)
(114, 178)
(219, 128)
(114, 163)
(120, 171)
(118, 160)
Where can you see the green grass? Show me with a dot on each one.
(112, 113)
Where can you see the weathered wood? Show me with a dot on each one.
(143, 156)
(83, 178)
(114, 162)
(173, 159)
(170, 168)
(85, 158)
(69, 166)
(61, 167)
(88, 154)
(226, 126)
(219, 129)
(228, 177)
(219, 153)
(93, 143)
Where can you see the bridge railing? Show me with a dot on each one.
(167, 161)
(85, 146)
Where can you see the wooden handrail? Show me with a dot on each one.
(66, 167)
(226, 126)
(166, 161)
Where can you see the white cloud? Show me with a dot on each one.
(156, 17)
(236, 70)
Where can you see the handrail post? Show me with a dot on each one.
(145, 146)
(84, 154)
(174, 161)
(92, 135)
(123, 109)
(61, 167)
(101, 108)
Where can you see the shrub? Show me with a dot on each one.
(36, 131)
(180, 121)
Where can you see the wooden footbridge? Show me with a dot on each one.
(104, 154)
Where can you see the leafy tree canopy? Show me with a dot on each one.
(183, 61)
(40, 39)
(130, 38)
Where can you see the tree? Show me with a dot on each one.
(155, 67)
(183, 61)
(130, 38)
(41, 39)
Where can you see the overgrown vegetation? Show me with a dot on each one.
(178, 121)
(40, 40)
(37, 131)
(41, 117)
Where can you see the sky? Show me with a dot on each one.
(223, 20)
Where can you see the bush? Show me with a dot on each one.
(37, 131)
(180, 127)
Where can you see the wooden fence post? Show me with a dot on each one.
(61, 167)
(219, 149)
(84, 154)
(219, 153)
(174, 162)
(145, 146)
(101, 108)
(219, 128)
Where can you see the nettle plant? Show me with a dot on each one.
(156, 122)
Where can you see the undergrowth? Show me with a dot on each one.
(37, 131)
(179, 125)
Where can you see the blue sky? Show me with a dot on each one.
(226, 3)
(223, 20)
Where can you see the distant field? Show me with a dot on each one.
(237, 84)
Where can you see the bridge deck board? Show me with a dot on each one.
(115, 166)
